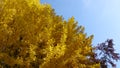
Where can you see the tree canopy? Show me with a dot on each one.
(106, 54)
(33, 36)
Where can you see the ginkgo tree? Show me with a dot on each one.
(33, 36)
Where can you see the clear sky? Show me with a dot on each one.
(99, 17)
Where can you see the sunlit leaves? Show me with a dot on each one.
(33, 36)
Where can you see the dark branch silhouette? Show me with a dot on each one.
(106, 54)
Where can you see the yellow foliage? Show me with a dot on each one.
(33, 36)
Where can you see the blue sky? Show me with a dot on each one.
(99, 17)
